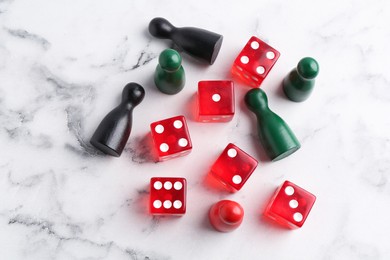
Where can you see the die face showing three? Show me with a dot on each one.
(171, 138)
(290, 205)
(233, 167)
(215, 101)
(255, 61)
(167, 196)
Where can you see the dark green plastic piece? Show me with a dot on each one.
(299, 83)
(275, 135)
(169, 76)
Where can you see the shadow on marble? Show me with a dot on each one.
(149, 85)
(215, 186)
(147, 35)
(280, 92)
(205, 223)
(85, 150)
(272, 225)
(192, 107)
(139, 149)
(141, 202)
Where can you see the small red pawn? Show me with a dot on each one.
(226, 215)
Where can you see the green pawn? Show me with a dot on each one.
(299, 83)
(169, 76)
(276, 137)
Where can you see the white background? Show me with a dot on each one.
(63, 65)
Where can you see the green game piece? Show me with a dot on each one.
(169, 76)
(299, 83)
(275, 135)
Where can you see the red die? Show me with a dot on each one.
(168, 196)
(290, 205)
(233, 167)
(255, 61)
(171, 138)
(215, 101)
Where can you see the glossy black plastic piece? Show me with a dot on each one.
(201, 44)
(113, 132)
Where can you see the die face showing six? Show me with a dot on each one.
(290, 205)
(255, 61)
(233, 167)
(215, 101)
(171, 138)
(167, 196)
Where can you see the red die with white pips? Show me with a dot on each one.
(290, 205)
(254, 62)
(167, 196)
(171, 138)
(233, 167)
(215, 101)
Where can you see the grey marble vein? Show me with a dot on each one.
(23, 34)
(48, 228)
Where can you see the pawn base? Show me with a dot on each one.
(105, 149)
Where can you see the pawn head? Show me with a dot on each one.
(256, 99)
(231, 212)
(170, 60)
(133, 94)
(160, 28)
(308, 68)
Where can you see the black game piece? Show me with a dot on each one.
(201, 44)
(113, 132)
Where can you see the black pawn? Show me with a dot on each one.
(113, 132)
(201, 44)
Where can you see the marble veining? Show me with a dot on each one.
(62, 69)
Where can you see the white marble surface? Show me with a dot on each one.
(63, 65)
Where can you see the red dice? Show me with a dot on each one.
(168, 196)
(215, 101)
(233, 167)
(255, 61)
(171, 138)
(290, 205)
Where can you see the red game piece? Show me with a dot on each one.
(171, 138)
(168, 196)
(290, 205)
(255, 61)
(226, 215)
(215, 101)
(233, 167)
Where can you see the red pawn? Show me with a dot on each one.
(226, 215)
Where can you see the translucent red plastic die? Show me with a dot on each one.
(171, 138)
(290, 205)
(255, 61)
(233, 167)
(215, 101)
(168, 196)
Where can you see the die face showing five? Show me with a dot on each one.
(215, 101)
(171, 138)
(290, 205)
(255, 61)
(233, 167)
(167, 196)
